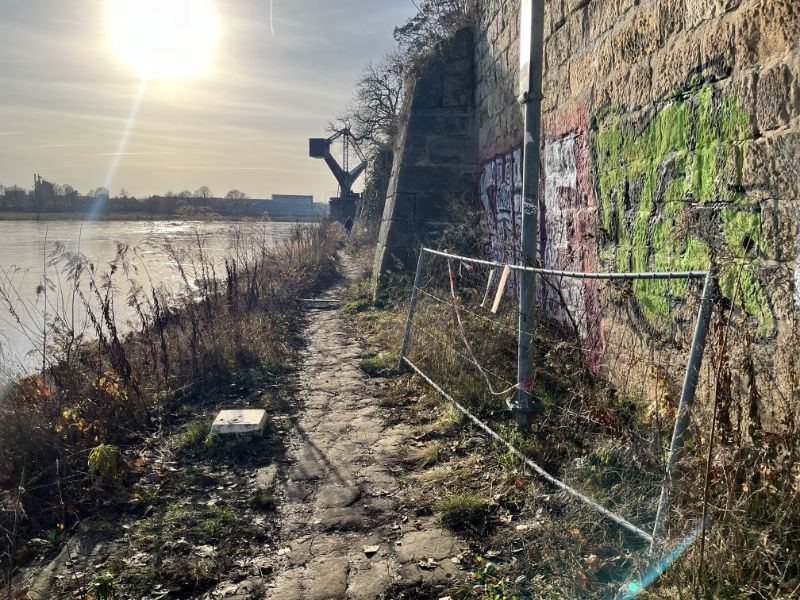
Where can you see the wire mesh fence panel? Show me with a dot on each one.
(609, 357)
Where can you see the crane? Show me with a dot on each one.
(344, 205)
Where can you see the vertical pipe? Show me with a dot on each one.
(531, 97)
(411, 310)
(687, 397)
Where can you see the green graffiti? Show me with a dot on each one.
(691, 152)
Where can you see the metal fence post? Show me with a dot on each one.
(687, 397)
(411, 310)
(531, 64)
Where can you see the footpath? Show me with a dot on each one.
(343, 530)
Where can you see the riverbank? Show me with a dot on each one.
(71, 438)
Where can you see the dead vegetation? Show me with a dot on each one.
(738, 473)
(71, 437)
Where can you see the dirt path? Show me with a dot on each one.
(343, 532)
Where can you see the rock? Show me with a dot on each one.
(326, 579)
(371, 551)
(370, 583)
(264, 478)
(332, 496)
(436, 543)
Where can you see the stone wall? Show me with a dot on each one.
(671, 136)
(435, 157)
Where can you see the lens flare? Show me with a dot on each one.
(634, 588)
(163, 40)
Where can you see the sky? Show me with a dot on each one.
(67, 98)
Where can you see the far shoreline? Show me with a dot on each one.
(135, 216)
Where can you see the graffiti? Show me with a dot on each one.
(501, 199)
(797, 275)
(566, 228)
(689, 155)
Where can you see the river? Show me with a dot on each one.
(25, 248)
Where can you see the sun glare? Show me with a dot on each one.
(163, 39)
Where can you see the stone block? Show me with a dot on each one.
(582, 73)
(765, 30)
(604, 58)
(429, 89)
(672, 16)
(326, 578)
(430, 210)
(422, 179)
(674, 66)
(449, 150)
(602, 17)
(415, 151)
(637, 37)
(778, 231)
(717, 49)
(403, 207)
(239, 421)
(513, 61)
(457, 89)
(629, 88)
(437, 544)
(625, 5)
(578, 27)
(553, 16)
(770, 170)
(557, 48)
(698, 11)
(425, 124)
(773, 97)
(794, 107)
(743, 88)
(552, 87)
(461, 45)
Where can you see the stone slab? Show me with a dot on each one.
(239, 421)
(333, 496)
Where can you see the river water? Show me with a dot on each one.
(25, 248)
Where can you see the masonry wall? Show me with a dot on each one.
(435, 157)
(670, 139)
(671, 136)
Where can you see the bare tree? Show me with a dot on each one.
(203, 192)
(372, 114)
(236, 195)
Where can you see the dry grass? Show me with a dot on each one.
(102, 389)
(593, 436)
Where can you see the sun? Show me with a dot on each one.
(163, 39)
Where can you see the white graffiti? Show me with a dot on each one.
(797, 275)
(559, 228)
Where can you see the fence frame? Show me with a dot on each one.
(694, 363)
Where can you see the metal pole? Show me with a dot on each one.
(410, 311)
(531, 96)
(687, 397)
